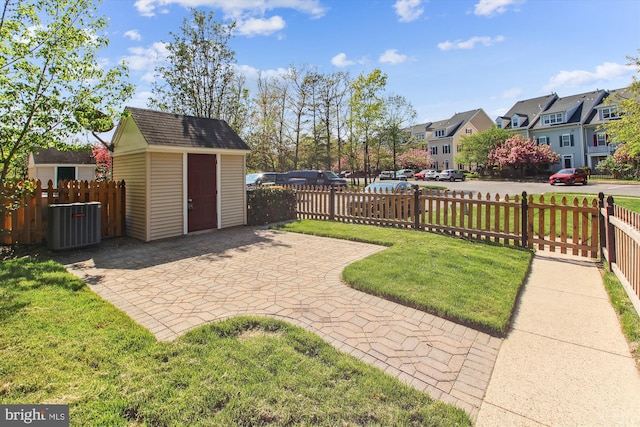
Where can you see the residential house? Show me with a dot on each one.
(443, 139)
(183, 174)
(570, 125)
(51, 164)
(599, 146)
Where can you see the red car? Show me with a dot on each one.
(569, 176)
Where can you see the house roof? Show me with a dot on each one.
(529, 110)
(452, 124)
(54, 156)
(159, 128)
(613, 97)
(578, 108)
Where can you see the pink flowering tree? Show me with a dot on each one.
(415, 159)
(518, 153)
(104, 161)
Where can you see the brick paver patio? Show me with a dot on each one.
(174, 285)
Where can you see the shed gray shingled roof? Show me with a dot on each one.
(50, 156)
(159, 128)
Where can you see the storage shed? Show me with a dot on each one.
(182, 173)
(57, 165)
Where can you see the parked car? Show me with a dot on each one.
(386, 175)
(569, 176)
(316, 177)
(427, 174)
(260, 178)
(373, 202)
(405, 172)
(451, 175)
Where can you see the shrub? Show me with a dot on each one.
(266, 205)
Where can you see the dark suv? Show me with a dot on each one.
(318, 178)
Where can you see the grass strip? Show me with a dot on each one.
(472, 283)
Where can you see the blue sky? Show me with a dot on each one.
(443, 56)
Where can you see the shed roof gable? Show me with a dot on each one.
(170, 129)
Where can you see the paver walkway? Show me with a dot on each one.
(174, 285)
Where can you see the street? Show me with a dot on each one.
(516, 188)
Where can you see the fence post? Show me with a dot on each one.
(611, 234)
(524, 220)
(602, 225)
(416, 208)
(332, 203)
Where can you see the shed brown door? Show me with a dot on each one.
(201, 190)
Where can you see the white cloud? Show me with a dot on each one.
(391, 56)
(235, 9)
(133, 35)
(340, 60)
(493, 7)
(513, 93)
(605, 72)
(145, 59)
(470, 44)
(408, 10)
(263, 27)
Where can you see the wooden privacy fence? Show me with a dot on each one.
(28, 223)
(620, 237)
(555, 225)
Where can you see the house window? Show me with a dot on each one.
(65, 173)
(445, 149)
(609, 113)
(419, 135)
(459, 147)
(434, 150)
(552, 119)
(468, 131)
(515, 122)
(566, 140)
(543, 140)
(440, 133)
(601, 139)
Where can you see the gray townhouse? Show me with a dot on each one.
(443, 139)
(569, 125)
(599, 145)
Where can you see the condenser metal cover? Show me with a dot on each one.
(73, 225)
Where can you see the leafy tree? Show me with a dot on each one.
(626, 129)
(398, 114)
(518, 153)
(52, 85)
(476, 147)
(199, 78)
(415, 158)
(367, 109)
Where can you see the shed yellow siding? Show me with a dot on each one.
(233, 206)
(166, 195)
(132, 169)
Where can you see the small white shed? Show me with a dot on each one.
(52, 164)
(182, 173)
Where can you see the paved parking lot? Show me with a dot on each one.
(174, 285)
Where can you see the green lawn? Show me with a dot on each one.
(472, 283)
(61, 343)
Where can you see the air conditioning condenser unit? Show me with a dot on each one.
(73, 225)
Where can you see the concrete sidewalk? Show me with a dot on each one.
(565, 361)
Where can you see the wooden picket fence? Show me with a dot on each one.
(28, 223)
(567, 226)
(620, 237)
(588, 227)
